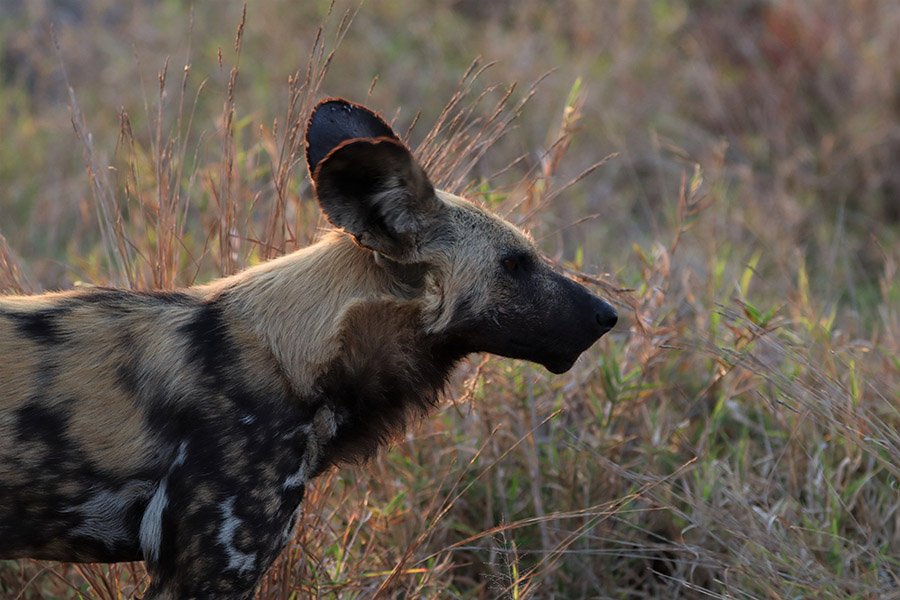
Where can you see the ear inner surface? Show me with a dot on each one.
(335, 121)
(376, 191)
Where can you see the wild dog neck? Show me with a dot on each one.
(389, 372)
(348, 324)
(295, 304)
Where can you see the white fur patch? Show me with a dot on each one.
(297, 478)
(288, 532)
(180, 457)
(150, 533)
(151, 524)
(237, 560)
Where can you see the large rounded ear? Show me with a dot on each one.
(375, 190)
(334, 121)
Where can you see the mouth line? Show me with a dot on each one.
(547, 347)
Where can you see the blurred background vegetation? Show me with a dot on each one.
(727, 173)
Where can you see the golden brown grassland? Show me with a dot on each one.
(727, 173)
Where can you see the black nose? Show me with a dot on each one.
(605, 315)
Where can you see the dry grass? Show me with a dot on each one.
(736, 437)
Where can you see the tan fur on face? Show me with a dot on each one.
(469, 266)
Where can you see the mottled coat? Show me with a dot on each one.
(181, 427)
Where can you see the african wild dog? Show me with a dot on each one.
(182, 427)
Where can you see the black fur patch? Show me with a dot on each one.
(208, 335)
(40, 326)
(36, 421)
(44, 515)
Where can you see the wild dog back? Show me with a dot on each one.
(106, 394)
(182, 427)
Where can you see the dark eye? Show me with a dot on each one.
(512, 264)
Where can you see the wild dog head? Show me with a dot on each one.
(481, 281)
